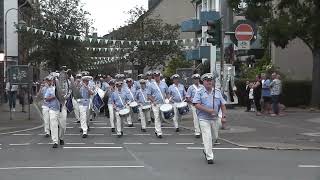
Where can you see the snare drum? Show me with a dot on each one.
(124, 112)
(134, 107)
(167, 111)
(146, 108)
(183, 108)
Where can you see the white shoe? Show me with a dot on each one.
(14, 110)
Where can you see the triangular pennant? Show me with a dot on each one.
(153, 42)
(106, 41)
(184, 41)
(67, 36)
(111, 49)
(161, 42)
(99, 49)
(94, 49)
(168, 42)
(138, 42)
(28, 28)
(43, 32)
(199, 39)
(114, 41)
(74, 37)
(98, 40)
(88, 48)
(35, 30)
(191, 40)
(146, 43)
(105, 49)
(122, 42)
(90, 39)
(59, 35)
(176, 41)
(51, 34)
(130, 42)
(117, 49)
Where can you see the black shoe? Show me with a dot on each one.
(120, 135)
(90, 120)
(130, 125)
(88, 128)
(159, 136)
(55, 145)
(78, 122)
(210, 161)
(143, 130)
(61, 142)
(197, 136)
(81, 130)
(152, 119)
(47, 135)
(177, 130)
(149, 122)
(113, 129)
(84, 136)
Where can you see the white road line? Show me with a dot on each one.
(200, 148)
(141, 134)
(137, 143)
(21, 134)
(0, 144)
(0, 148)
(70, 167)
(70, 127)
(104, 127)
(161, 127)
(186, 134)
(117, 134)
(44, 143)
(96, 143)
(93, 147)
(167, 134)
(75, 143)
(184, 143)
(129, 127)
(23, 144)
(72, 134)
(309, 166)
(158, 143)
(95, 134)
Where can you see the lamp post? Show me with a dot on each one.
(6, 38)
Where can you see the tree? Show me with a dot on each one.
(59, 16)
(286, 20)
(176, 63)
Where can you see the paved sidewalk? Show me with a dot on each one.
(298, 129)
(20, 120)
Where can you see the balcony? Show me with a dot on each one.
(191, 25)
(208, 15)
(192, 55)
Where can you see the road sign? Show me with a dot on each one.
(243, 45)
(20, 74)
(244, 32)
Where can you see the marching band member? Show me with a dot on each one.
(157, 92)
(109, 92)
(91, 112)
(177, 95)
(119, 99)
(85, 92)
(196, 86)
(45, 107)
(208, 101)
(149, 79)
(74, 101)
(142, 99)
(54, 108)
(131, 91)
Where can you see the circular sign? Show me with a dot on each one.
(244, 32)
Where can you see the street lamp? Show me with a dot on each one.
(6, 38)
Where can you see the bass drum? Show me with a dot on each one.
(167, 111)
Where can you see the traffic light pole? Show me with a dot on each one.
(222, 56)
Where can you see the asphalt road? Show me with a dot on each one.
(136, 156)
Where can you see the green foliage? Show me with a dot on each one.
(176, 63)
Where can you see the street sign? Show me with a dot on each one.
(243, 45)
(20, 74)
(244, 32)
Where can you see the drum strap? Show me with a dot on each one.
(131, 93)
(120, 99)
(159, 90)
(178, 93)
(144, 98)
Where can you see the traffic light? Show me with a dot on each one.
(214, 30)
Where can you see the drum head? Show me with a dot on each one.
(133, 104)
(124, 112)
(146, 107)
(166, 107)
(182, 104)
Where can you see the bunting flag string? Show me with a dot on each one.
(111, 42)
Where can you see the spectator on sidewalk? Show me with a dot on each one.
(247, 100)
(276, 88)
(251, 98)
(12, 95)
(266, 96)
(257, 89)
(23, 96)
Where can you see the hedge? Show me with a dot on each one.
(294, 93)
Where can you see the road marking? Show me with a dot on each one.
(161, 127)
(96, 143)
(186, 134)
(44, 143)
(95, 134)
(75, 143)
(70, 167)
(200, 148)
(158, 143)
(137, 143)
(309, 166)
(129, 127)
(184, 143)
(141, 134)
(23, 144)
(70, 127)
(93, 147)
(117, 134)
(104, 127)
(167, 134)
(21, 134)
(72, 134)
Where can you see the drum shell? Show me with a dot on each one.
(167, 111)
(183, 108)
(124, 112)
(134, 106)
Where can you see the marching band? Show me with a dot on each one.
(125, 100)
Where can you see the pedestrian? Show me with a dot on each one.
(208, 102)
(11, 91)
(145, 104)
(45, 106)
(276, 88)
(177, 94)
(247, 99)
(196, 86)
(257, 90)
(23, 96)
(251, 98)
(157, 93)
(54, 108)
(109, 92)
(266, 95)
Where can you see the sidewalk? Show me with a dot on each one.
(20, 120)
(298, 129)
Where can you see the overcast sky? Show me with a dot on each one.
(109, 14)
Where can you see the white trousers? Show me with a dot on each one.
(209, 131)
(111, 114)
(143, 115)
(129, 117)
(53, 116)
(46, 119)
(157, 120)
(177, 116)
(83, 118)
(76, 109)
(62, 122)
(195, 120)
(118, 123)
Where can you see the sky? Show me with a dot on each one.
(109, 14)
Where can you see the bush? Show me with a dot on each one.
(294, 93)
